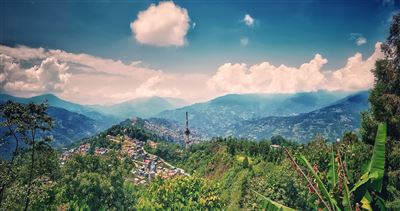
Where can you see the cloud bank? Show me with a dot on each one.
(165, 24)
(267, 78)
(48, 76)
(88, 79)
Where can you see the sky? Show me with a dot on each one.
(109, 51)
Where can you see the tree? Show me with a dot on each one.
(350, 138)
(245, 163)
(277, 139)
(26, 122)
(10, 113)
(385, 107)
(96, 182)
(34, 119)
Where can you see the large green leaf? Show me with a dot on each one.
(271, 205)
(377, 163)
(332, 172)
(372, 178)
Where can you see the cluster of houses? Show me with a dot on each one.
(146, 166)
(82, 150)
(151, 168)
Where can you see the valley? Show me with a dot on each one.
(298, 117)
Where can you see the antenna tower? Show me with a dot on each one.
(187, 131)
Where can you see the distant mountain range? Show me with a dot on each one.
(297, 116)
(141, 107)
(216, 117)
(74, 121)
(54, 101)
(330, 122)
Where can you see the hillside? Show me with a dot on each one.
(60, 103)
(69, 127)
(330, 122)
(230, 114)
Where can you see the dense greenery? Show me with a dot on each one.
(242, 169)
(34, 179)
(226, 173)
(385, 107)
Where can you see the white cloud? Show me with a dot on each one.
(267, 78)
(49, 76)
(248, 20)
(244, 41)
(358, 38)
(89, 79)
(165, 24)
(361, 41)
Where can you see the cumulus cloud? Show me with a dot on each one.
(165, 24)
(244, 41)
(267, 78)
(89, 79)
(49, 76)
(358, 38)
(248, 20)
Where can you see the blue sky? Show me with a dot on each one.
(289, 32)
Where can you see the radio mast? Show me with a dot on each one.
(187, 131)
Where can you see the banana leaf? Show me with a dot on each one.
(332, 172)
(377, 163)
(372, 178)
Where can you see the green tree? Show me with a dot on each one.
(34, 119)
(245, 163)
(96, 182)
(26, 122)
(350, 138)
(385, 107)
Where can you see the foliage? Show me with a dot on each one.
(181, 193)
(96, 182)
(24, 123)
(365, 192)
(385, 107)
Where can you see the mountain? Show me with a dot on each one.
(331, 122)
(141, 107)
(214, 117)
(57, 102)
(69, 127)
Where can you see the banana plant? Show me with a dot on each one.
(365, 191)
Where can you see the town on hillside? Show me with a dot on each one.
(146, 166)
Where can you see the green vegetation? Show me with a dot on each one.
(227, 173)
(181, 193)
(385, 107)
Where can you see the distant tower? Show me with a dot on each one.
(187, 131)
